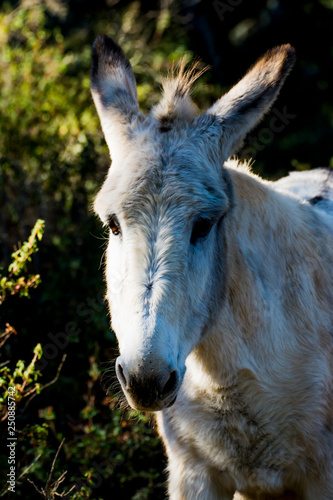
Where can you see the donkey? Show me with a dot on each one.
(220, 287)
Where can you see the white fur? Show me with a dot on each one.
(244, 315)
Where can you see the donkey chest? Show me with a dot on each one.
(228, 435)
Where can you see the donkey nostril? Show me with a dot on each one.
(120, 375)
(170, 385)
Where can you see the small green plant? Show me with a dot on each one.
(15, 282)
(21, 382)
(24, 377)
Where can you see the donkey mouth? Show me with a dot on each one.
(158, 404)
(172, 402)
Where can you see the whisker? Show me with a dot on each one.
(101, 237)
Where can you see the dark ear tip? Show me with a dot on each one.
(105, 51)
(290, 53)
(286, 53)
(104, 45)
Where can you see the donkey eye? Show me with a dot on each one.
(200, 229)
(114, 225)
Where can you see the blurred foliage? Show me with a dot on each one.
(53, 159)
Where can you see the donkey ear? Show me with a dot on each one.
(246, 103)
(113, 88)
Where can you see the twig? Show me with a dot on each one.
(49, 492)
(49, 383)
(26, 470)
(6, 334)
(47, 487)
(4, 339)
(60, 479)
(41, 492)
(64, 494)
(44, 387)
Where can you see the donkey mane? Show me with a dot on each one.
(176, 104)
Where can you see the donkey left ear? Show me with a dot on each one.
(113, 88)
(246, 103)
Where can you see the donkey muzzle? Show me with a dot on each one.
(148, 389)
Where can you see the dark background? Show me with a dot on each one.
(53, 159)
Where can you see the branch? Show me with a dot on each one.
(64, 494)
(47, 487)
(49, 383)
(41, 492)
(49, 492)
(26, 470)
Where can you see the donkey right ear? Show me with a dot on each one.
(113, 88)
(245, 104)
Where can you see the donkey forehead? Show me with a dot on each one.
(162, 173)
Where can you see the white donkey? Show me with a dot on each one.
(220, 287)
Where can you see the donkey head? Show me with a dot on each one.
(166, 199)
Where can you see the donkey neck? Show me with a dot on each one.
(271, 246)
